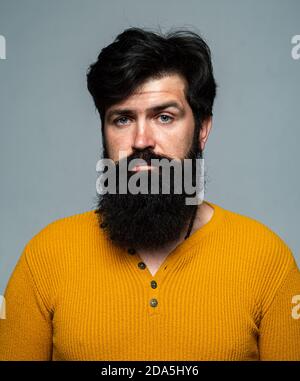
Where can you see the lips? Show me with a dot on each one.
(138, 168)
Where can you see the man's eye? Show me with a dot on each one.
(123, 120)
(166, 118)
(120, 121)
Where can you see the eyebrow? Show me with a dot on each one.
(120, 111)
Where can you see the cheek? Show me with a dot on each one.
(180, 148)
(116, 143)
(178, 143)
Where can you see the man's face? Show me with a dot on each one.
(156, 122)
(138, 123)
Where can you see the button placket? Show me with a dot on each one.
(152, 299)
(151, 282)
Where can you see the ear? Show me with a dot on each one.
(204, 132)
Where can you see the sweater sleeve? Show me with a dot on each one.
(280, 326)
(26, 332)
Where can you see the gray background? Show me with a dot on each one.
(49, 130)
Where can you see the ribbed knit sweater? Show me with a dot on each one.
(225, 293)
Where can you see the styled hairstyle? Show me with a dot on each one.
(137, 55)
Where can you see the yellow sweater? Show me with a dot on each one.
(223, 294)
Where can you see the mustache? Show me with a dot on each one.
(145, 155)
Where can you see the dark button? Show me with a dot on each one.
(153, 284)
(153, 302)
(142, 265)
(103, 225)
(131, 251)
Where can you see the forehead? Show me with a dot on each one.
(174, 84)
(153, 91)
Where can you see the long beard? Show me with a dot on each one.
(146, 221)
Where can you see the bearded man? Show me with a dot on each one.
(149, 276)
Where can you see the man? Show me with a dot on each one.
(146, 276)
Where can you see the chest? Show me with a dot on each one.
(121, 316)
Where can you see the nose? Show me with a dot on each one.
(143, 136)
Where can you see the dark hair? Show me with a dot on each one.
(137, 55)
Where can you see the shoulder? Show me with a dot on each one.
(260, 248)
(65, 228)
(255, 232)
(62, 236)
(262, 255)
(58, 250)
